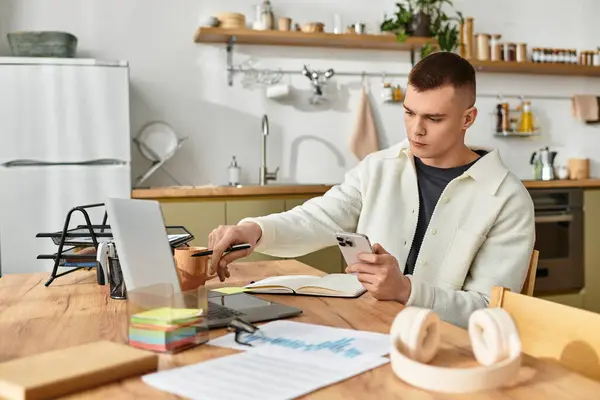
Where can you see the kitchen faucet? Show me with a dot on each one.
(265, 175)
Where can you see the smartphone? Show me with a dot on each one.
(353, 244)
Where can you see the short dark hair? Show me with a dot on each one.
(444, 68)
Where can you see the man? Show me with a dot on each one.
(449, 221)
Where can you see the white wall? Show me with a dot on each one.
(184, 84)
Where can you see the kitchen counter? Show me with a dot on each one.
(303, 189)
(593, 183)
(228, 191)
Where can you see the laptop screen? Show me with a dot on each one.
(141, 243)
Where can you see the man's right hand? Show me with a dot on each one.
(223, 237)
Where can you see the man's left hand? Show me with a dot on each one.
(380, 274)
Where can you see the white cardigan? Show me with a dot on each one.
(481, 232)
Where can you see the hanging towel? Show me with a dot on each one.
(364, 139)
(586, 108)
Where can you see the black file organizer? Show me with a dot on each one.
(88, 235)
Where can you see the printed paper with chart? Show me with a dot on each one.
(296, 340)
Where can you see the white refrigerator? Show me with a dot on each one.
(64, 142)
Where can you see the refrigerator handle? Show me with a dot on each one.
(35, 163)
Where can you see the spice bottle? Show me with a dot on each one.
(526, 118)
(535, 55)
(499, 118)
(397, 93)
(387, 94)
(234, 173)
(505, 118)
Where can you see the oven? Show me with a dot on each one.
(559, 239)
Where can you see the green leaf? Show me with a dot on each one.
(401, 37)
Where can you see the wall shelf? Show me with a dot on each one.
(517, 134)
(370, 42)
(331, 40)
(536, 68)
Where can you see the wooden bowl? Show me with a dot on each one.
(313, 27)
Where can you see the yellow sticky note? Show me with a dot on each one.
(230, 290)
(168, 314)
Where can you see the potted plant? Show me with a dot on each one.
(400, 23)
(426, 18)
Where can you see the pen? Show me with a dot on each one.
(229, 250)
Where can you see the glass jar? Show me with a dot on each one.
(387, 93)
(267, 18)
(522, 52)
(496, 48)
(483, 46)
(546, 58)
(535, 55)
(526, 118)
(510, 52)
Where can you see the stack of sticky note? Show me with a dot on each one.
(165, 329)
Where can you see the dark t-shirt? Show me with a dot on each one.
(432, 182)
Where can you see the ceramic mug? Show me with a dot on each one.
(192, 271)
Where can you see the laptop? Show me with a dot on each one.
(146, 259)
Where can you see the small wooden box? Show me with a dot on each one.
(61, 372)
(579, 168)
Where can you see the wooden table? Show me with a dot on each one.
(75, 310)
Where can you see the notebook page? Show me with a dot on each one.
(253, 375)
(344, 283)
(291, 281)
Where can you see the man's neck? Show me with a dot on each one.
(458, 158)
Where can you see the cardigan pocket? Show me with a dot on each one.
(460, 255)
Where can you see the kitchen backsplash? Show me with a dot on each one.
(184, 84)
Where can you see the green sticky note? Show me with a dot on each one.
(230, 290)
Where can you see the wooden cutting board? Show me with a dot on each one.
(61, 372)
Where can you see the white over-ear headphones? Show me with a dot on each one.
(415, 336)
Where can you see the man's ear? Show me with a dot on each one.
(469, 117)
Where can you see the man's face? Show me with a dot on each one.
(436, 120)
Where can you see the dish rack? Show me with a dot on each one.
(78, 246)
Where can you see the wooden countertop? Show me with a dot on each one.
(175, 192)
(75, 310)
(228, 191)
(593, 183)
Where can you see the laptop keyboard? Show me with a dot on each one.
(216, 311)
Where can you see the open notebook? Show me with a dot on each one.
(332, 285)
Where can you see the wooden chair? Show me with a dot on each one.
(529, 284)
(567, 335)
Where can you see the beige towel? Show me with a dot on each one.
(586, 108)
(364, 140)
